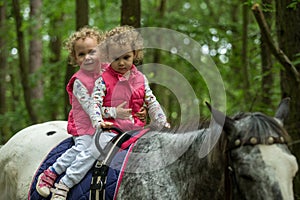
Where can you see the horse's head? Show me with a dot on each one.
(259, 164)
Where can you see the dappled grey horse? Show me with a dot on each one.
(241, 157)
(249, 161)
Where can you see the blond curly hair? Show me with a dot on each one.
(126, 36)
(85, 32)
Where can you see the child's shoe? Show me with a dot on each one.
(60, 191)
(45, 182)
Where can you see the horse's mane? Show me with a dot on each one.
(191, 125)
(205, 124)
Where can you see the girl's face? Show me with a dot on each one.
(123, 63)
(87, 55)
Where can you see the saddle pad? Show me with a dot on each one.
(115, 173)
(78, 192)
(81, 190)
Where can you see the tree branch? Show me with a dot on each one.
(276, 51)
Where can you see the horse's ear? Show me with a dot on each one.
(283, 109)
(226, 122)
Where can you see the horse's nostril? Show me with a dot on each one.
(50, 133)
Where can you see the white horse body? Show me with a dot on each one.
(15, 180)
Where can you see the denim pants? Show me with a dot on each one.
(85, 160)
(66, 159)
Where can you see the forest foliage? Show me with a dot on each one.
(219, 35)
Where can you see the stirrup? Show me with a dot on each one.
(60, 191)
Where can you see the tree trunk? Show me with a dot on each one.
(131, 13)
(288, 33)
(157, 89)
(23, 65)
(82, 19)
(245, 62)
(35, 52)
(160, 14)
(235, 61)
(55, 46)
(82, 13)
(266, 59)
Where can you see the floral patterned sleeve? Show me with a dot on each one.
(98, 95)
(86, 101)
(156, 113)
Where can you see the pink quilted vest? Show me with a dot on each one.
(119, 89)
(79, 122)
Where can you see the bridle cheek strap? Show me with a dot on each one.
(230, 179)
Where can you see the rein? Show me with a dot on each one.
(230, 175)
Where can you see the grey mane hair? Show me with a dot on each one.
(177, 139)
(279, 121)
(219, 152)
(219, 149)
(157, 149)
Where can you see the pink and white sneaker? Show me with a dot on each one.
(60, 192)
(45, 182)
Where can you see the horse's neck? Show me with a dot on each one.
(179, 158)
(199, 149)
(201, 165)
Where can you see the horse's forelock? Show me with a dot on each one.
(258, 125)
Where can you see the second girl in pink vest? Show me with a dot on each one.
(122, 82)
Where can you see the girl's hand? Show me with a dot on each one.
(106, 124)
(123, 113)
(167, 125)
(142, 114)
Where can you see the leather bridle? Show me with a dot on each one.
(230, 180)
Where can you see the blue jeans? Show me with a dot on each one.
(85, 159)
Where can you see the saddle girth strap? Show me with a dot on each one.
(97, 191)
(98, 181)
